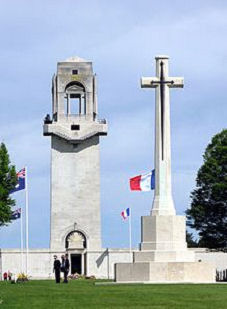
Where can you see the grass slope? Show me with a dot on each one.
(84, 294)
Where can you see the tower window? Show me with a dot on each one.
(76, 104)
(74, 72)
(75, 99)
(75, 127)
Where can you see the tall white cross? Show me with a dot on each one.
(163, 201)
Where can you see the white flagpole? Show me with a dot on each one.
(130, 230)
(26, 203)
(21, 241)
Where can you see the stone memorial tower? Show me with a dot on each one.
(75, 177)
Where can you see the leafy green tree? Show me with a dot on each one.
(208, 212)
(8, 180)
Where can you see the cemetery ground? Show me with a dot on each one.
(85, 294)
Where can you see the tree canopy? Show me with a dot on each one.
(191, 242)
(8, 180)
(208, 212)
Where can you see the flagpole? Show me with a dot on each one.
(21, 241)
(26, 204)
(130, 231)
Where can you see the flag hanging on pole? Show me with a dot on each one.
(16, 214)
(144, 182)
(125, 213)
(21, 176)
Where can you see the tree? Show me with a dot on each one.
(192, 243)
(8, 180)
(208, 212)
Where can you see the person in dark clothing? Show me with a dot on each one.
(57, 269)
(5, 276)
(62, 263)
(67, 266)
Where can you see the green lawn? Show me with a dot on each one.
(84, 294)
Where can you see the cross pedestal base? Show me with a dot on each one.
(163, 233)
(165, 272)
(163, 255)
(163, 240)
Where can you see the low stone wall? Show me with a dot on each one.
(101, 264)
(218, 258)
(40, 262)
(98, 263)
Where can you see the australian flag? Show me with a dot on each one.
(20, 181)
(16, 214)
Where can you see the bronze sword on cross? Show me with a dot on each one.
(160, 82)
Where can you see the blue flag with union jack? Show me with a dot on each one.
(16, 214)
(20, 181)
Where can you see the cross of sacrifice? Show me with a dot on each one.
(162, 82)
(163, 201)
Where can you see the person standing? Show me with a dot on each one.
(9, 275)
(66, 270)
(62, 263)
(57, 269)
(5, 276)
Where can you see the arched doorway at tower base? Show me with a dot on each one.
(77, 262)
(75, 244)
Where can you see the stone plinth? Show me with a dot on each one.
(194, 272)
(163, 233)
(163, 240)
(164, 256)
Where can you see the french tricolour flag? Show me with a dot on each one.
(125, 213)
(144, 182)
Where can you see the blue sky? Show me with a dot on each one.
(122, 39)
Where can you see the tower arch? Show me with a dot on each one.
(75, 240)
(75, 99)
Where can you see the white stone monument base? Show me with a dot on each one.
(163, 240)
(163, 233)
(164, 256)
(165, 272)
